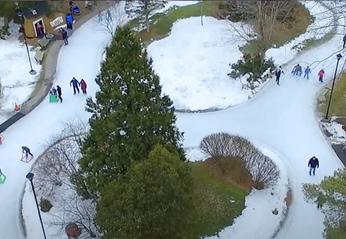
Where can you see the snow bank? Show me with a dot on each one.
(193, 62)
(338, 134)
(171, 4)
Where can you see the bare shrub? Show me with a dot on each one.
(263, 170)
(217, 145)
(53, 173)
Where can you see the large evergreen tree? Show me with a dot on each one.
(130, 114)
(153, 200)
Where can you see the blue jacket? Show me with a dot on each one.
(69, 18)
(74, 82)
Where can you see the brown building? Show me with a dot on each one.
(39, 21)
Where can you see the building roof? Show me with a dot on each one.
(35, 9)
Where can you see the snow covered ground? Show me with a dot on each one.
(281, 119)
(15, 80)
(338, 134)
(193, 62)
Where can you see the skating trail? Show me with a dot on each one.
(280, 117)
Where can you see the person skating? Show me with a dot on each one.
(75, 83)
(299, 70)
(83, 86)
(64, 36)
(344, 42)
(69, 21)
(320, 75)
(313, 163)
(295, 70)
(1, 139)
(307, 72)
(58, 89)
(26, 151)
(278, 73)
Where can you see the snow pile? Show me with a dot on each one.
(193, 62)
(15, 80)
(335, 129)
(322, 24)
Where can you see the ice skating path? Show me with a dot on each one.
(281, 118)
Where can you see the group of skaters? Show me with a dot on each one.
(69, 22)
(298, 71)
(57, 91)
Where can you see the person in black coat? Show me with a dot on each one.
(26, 151)
(278, 73)
(313, 163)
(344, 42)
(58, 89)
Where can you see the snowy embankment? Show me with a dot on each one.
(193, 62)
(322, 24)
(172, 4)
(15, 81)
(259, 204)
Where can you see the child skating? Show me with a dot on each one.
(25, 154)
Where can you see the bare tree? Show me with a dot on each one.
(143, 9)
(112, 17)
(56, 172)
(262, 15)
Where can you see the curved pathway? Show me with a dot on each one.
(282, 118)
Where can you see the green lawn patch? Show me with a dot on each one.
(217, 201)
(338, 102)
(162, 23)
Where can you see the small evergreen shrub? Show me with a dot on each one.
(45, 205)
(253, 66)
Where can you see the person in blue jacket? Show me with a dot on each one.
(69, 21)
(307, 72)
(75, 83)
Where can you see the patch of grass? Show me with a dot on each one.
(338, 102)
(283, 33)
(163, 22)
(217, 199)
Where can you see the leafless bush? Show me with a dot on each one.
(53, 172)
(263, 170)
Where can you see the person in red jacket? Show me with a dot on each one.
(83, 86)
(320, 75)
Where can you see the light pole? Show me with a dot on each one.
(338, 57)
(19, 13)
(30, 177)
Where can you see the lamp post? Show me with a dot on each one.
(19, 13)
(30, 177)
(338, 57)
